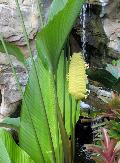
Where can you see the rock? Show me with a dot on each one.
(113, 54)
(10, 94)
(112, 30)
(11, 30)
(10, 26)
(111, 24)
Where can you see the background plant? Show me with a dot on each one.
(108, 151)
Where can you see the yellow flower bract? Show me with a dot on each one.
(77, 77)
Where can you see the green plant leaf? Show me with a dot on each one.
(11, 123)
(55, 7)
(34, 130)
(50, 40)
(10, 152)
(13, 50)
(60, 89)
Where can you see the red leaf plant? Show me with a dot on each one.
(109, 150)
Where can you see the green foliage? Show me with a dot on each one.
(39, 120)
(43, 134)
(50, 40)
(56, 6)
(10, 152)
(114, 129)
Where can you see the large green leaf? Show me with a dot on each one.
(37, 119)
(34, 131)
(13, 50)
(55, 7)
(10, 152)
(50, 40)
(34, 134)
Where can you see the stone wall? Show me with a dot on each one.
(11, 29)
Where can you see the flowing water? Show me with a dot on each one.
(83, 22)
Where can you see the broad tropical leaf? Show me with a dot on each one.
(51, 39)
(10, 152)
(34, 134)
(55, 7)
(34, 129)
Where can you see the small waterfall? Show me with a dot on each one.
(83, 22)
(83, 16)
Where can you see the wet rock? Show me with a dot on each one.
(9, 90)
(90, 34)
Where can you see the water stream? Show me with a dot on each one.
(83, 22)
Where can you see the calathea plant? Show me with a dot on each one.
(48, 112)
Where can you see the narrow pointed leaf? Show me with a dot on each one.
(13, 50)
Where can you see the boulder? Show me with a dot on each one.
(111, 24)
(9, 91)
(10, 26)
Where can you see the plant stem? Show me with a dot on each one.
(64, 82)
(65, 139)
(40, 12)
(54, 83)
(70, 102)
(71, 125)
(76, 102)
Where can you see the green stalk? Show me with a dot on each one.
(70, 101)
(70, 98)
(54, 83)
(64, 82)
(76, 102)
(64, 136)
(40, 13)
